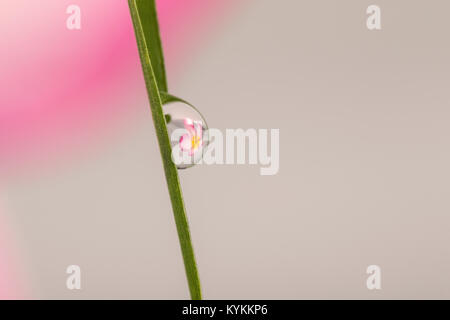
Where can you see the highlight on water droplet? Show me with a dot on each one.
(188, 132)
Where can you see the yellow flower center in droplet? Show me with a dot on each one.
(195, 142)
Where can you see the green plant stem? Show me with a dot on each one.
(143, 14)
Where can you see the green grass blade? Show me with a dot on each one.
(148, 16)
(141, 16)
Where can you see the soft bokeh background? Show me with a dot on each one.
(363, 118)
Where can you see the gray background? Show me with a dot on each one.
(364, 168)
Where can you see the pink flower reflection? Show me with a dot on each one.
(193, 139)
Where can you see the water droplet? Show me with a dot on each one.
(188, 132)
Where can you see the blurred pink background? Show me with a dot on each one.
(363, 179)
(62, 91)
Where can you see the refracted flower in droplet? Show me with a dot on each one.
(187, 130)
(193, 139)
